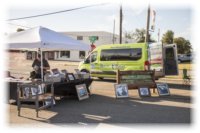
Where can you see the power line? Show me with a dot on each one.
(19, 25)
(40, 15)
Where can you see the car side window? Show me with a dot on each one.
(87, 60)
(93, 56)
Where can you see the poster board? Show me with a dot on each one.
(135, 79)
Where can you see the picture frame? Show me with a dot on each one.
(77, 71)
(121, 90)
(163, 89)
(144, 91)
(64, 71)
(76, 76)
(70, 76)
(82, 92)
(55, 71)
(26, 92)
(34, 90)
(48, 102)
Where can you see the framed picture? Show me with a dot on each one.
(77, 71)
(34, 90)
(64, 71)
(48, 101)
(76, 76)
(70, 76)
(163, 89)
(26, 92)
(55, 71)
(121, 90)
(82, 92)
(144, 91)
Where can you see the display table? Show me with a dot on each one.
(11, 87)
(69, 88)
(60, 88)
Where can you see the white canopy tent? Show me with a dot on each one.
(45, 39)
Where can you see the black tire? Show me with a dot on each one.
(85, 71)
(101, 78)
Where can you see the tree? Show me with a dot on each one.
(138, 35)
(168, 37)
(128, 36)
(19, 29)
(183, 45)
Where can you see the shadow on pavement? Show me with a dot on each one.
(101, 109)
(177, 85)
(173, 98)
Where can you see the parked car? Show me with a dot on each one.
(184, 58)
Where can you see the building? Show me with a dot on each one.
(101, 38)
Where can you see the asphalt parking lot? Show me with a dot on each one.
(103, 107)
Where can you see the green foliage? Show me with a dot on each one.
(168, 37)
(138, 35)
(183, 45)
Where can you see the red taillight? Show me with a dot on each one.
(146, 65)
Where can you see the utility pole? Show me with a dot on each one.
(120, 25)
(147, 28)
(114, 32)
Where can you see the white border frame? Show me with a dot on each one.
(117, 87)
(144, 87)
(158, 89)
(81, 86)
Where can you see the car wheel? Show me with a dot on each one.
(101, 78)
(86, 71)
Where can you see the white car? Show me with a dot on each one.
(184, 58)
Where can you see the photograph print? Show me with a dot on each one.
(38, 90)
(48, 101)
(121, 90)
(55, 71)
(64, 71)
(163, 89)
(70, 76)
(26, 92)
(77, 71)
(82, 92)
(144, 92)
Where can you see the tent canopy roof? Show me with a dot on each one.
(44, 38)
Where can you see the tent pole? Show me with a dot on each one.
(42, 75)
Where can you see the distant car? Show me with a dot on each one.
(184, 58)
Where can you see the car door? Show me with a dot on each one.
(170, 59)
(94, 65)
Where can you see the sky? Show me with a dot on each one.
(101, 18)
